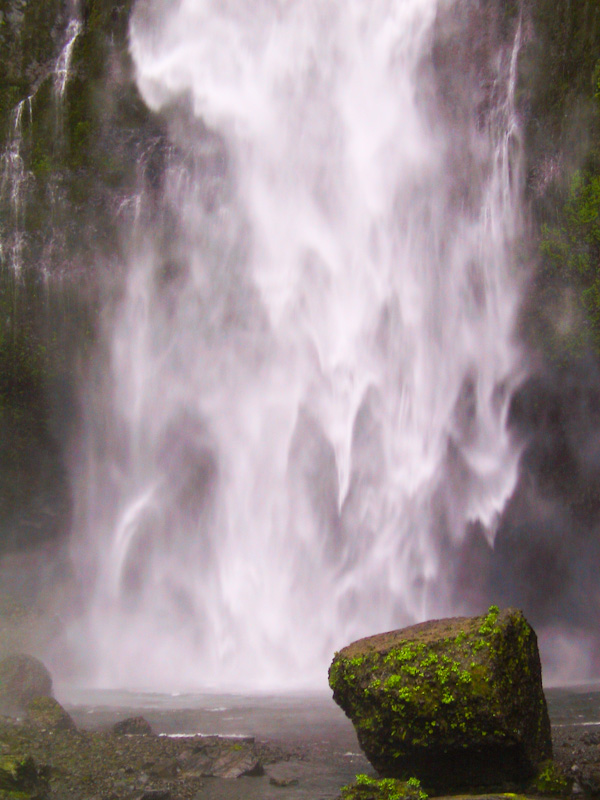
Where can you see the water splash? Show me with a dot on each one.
(310, 378)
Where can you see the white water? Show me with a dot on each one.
(307, 407)
(62, 68)
(14, 178)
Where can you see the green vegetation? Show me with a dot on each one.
(551, 781)
(79, 156)
(559, 86)
(367, 788)
(21, 779)
(571, 252)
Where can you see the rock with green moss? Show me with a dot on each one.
(22, 678)
(47, 714)
(456, 702)
(552, 781)
(21, 778)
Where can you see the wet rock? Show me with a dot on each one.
(163, 768)
(223, 760)
(22, 678)
(286, 773)
(458, 703)
(48, 714)
(133, 726)
(155, 794)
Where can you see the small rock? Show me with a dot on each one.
(592, 738)
(133, 726)
(223, 760)
(164, 768)
(47, 714)
(285, 773)
(155, 794)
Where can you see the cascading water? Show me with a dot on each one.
(309, 383)
(62, 68)
(13, 184)
(15, 178)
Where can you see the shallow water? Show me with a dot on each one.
(325, 751)
(574, 705)
(321, 740)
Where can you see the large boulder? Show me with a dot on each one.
(22, 678)
(458, 703)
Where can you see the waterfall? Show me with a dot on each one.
(309, 376)
(62, 67)
(14, 179)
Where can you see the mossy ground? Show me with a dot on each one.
(80, 764)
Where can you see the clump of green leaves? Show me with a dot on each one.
(551, 781)
(489, 622)
(368, 788)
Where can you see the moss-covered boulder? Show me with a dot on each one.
(458, 703)
(22, 678)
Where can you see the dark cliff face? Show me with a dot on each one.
(71, 154)
(547, 548)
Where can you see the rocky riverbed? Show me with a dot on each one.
(113, 764)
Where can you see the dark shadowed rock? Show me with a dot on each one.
(287, 773)
(22, 678)
(155, 794)
(458, 703)
(133, 726)
(47, 714)
(22, 779)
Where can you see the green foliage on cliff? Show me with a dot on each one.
(571, 251)
(73, 159)
(559, 88)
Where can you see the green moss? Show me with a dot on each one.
(21, 777)
(367, 788)
(552, 781)
(489, 623)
